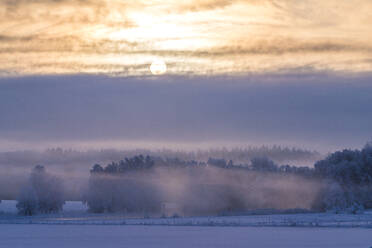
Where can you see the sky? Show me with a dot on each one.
(321, 112)
(239, 72)
(198, 37)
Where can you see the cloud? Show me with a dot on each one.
(276, 47)
(68, 11)
(317, 110)
(5, 38)
(203, 5)
(199, 36)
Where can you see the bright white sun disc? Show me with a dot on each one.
(158, 67)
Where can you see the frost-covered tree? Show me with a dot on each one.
(217, 162)
(42, 194)
(351, 170)
(99, 195)
(117, 193)
(264, 165)
(113, 189)
(337, 199)
(27, 201)
(334, 198)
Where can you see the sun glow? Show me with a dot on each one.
(158, 67)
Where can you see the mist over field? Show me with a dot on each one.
(200, 191)
(73, 165)
(148, 184)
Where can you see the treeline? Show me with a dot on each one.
(142, 184)
(262, 164)
(59, 156)
(112, 190)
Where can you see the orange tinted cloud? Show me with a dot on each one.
(197, 37)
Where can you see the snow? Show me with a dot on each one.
(92, 236)
(75, 213)
(77, 228)
(8, 206)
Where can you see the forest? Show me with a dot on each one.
(341, 182)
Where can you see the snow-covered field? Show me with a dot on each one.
(97, 236)
(75, 214)
(77, 228)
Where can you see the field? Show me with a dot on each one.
(76, 228)
(95, 236)
(75, 213)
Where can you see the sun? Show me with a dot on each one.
(158, 67)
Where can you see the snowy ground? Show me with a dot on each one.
(75, 214)
(92, 236)
(77, 228)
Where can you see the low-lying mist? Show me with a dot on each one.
(215, 190)
(197, 189)
(145, 184)
(73, 165)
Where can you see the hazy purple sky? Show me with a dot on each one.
(320, 111)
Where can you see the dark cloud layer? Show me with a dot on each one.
(323, 110)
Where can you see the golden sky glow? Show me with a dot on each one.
(199, 37)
